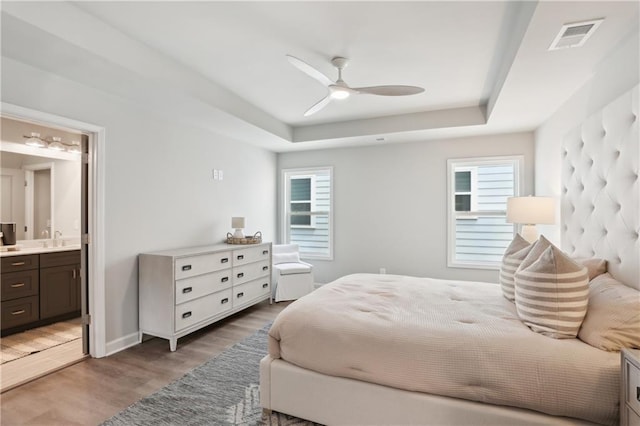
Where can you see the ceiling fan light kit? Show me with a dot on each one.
(341, 90)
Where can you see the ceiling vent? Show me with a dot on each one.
(575, 35)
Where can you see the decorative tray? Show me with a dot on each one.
(256, 239)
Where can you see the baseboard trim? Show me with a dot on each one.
(122, 343)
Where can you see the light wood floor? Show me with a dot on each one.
(93, 390)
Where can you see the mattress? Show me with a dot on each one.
(452, 338)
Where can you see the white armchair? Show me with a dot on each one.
(292, 278)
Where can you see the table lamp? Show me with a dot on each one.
(530, 211)
(238, 224)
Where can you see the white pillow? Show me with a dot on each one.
(552, 293)
(513, 256)
(278, 258)
(613, 316)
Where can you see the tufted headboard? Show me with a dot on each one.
(601, 189)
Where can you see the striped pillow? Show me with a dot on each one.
(552, 294)
(513, 256)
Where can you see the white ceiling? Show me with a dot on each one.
(484, 65)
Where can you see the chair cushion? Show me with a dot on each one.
(292, 268)
(290, 257)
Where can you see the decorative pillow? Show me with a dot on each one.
(613, 317)
(552, 294)
(513, 256)
(594, 265)
(278, 258)
(536, 251)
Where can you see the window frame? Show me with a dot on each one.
(473, 192)
(311, 202)
(286, 202)
(453, 215)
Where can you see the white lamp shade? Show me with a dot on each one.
(237, 222)
(531, 210)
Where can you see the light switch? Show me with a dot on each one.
(215, 174)
(220, 174)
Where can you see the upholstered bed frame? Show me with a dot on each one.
(600, 218)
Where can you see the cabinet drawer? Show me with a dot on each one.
(250, 272)
(197, 265)
(60, 258)
(633, 419)
(194, 287)
(20, 311)
(247, 292)
(19, 263)
(633, 386)
(19, 284)
(249, 255)
(197, 310)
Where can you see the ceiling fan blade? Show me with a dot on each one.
(390, 90)
(317, 107)
(309, 70)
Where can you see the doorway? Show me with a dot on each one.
(90, 298)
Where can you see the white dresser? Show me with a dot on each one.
(630, 392)
(186, 289)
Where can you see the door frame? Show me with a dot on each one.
(96, 202)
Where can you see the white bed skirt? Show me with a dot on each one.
(331, 400)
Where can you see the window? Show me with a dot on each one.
(307, 210)
(478, 189)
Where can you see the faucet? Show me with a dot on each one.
(55, 238)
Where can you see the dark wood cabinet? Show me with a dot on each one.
(59, 290)
(39, 289)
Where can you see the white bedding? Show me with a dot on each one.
(457, 339)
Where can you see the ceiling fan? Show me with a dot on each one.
(341, 90)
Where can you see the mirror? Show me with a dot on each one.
(41, 188)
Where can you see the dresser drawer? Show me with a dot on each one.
(20, 263)
(197, 265)
(247, 292)
(19, 284)
(249, 255)
(633, 386)
(197, 310)
(250, 272)
(20, 311)
(201, 285)
(633, 419)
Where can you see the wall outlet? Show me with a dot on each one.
(383, 271)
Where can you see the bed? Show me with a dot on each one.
(336, 357)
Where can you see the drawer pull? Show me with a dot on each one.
(224, 279)
(186, 315)
(240, 275)
(17, 264)
(74, 273)
(638, 393)
(187, 290)
(16, 285)
(240, 257)
(265, 252)
(265, 285)
(225, 300)
(20, 312)
(264, 268)
(186, 268)
(240, 295)
(224, 260)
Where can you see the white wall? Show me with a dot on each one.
(159, 189)
(617, 74)
(390, 203)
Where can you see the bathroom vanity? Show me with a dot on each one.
(39, 286)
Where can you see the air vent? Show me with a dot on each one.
(575, 35)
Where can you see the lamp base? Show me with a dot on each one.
(529, 233)
(238, 233)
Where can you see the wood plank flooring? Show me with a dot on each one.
(93, 390)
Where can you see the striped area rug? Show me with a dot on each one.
(38, 339)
